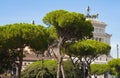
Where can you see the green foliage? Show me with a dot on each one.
(87, 48)
(51, 18)
(7, 59)
(35, 69)
(86, 51)
(114, 64)
(112, 67)
(68, 69)
(53, 36)
(14, 36)
(5, 64)
(99, 69)
(50, 67)
(69, 24)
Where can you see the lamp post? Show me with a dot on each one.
(42, 64)
(117, 51)
(42, 59)
(84, 70)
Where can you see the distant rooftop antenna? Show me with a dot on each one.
(117, 51)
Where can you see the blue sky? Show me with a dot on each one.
(17, 11)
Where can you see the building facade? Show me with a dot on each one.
(99, 34)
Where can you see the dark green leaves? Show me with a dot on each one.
(16, 35)
(69, 24)
(88, 48)
(114, 64)
(99, 69)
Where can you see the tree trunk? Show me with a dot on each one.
(75, 73)
(19, 70)
(59, 66)
(20, 62)
(74, 69)
(59, 59)
(89, 71)
(62, 70)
